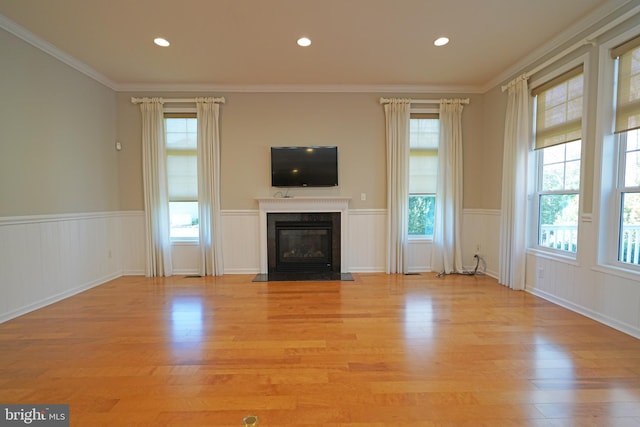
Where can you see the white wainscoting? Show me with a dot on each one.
(132, 255)
(365, 243)
(481, 227)
(366, 248)
(605, 294)
(46, 258)
(241, 241)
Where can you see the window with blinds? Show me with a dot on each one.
(628, 85)
(627, 128)
(423, 171)
(558, 141)
(559, 109)
(181, 138)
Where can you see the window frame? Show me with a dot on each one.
(418, 111)
(607, 200)
(186, 112)
(535, 164)
(620, 190)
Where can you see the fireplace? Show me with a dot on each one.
(304, 209)
(303, 242)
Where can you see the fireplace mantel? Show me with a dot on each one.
(303, 204)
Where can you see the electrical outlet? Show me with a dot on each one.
(540, 273)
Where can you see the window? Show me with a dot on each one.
(423, 170)
(558, 125)
(182, 177)
(627, 125)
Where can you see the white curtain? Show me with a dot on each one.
(156, 205)
(446, 253)
(211, 263)
(397, 114)
(514, 186)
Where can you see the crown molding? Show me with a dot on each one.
(45, 46)
(295, 88)
(603, 12)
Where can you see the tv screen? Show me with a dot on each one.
(304, 166)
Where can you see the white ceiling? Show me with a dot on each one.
(252, 43)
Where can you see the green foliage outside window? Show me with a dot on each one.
(421, 214)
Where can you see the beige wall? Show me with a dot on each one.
(57, 135)
(489, 179)
(252, 122)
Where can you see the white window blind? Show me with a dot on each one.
(182, 157)
(423, 153)
(559, 109)
(628, 94)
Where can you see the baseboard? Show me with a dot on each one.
(134, 272)
(241, 271)
(587, 312)
(366, 269)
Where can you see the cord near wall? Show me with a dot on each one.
(466, 273)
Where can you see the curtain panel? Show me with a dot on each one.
(157, 241)
(211, 262)
(513, 219)
(446, 254)
(397, 113)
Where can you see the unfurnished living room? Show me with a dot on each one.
(320, 213)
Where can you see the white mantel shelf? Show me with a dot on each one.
(303, 204)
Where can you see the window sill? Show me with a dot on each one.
(554, 256)
(619, 271)
(185, 242)
(420, 239)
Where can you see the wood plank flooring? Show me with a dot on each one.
(382, 350)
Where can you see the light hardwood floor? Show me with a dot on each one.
(383, 350)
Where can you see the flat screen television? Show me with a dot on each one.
(304, 166)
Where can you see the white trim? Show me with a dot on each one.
(491, 212)
(34, 219)
(618, 271)
(606, 156)
(554, 255)
(621, 326)
(367, 211)
(240, 212)
(45, 46)
(590, 21)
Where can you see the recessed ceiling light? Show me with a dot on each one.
(441, 41)
(304, 42)
(161, 42)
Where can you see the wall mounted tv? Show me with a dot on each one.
(304, 166)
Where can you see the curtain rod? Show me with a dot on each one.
(587, 40)
(177, 100)
(423, 101)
